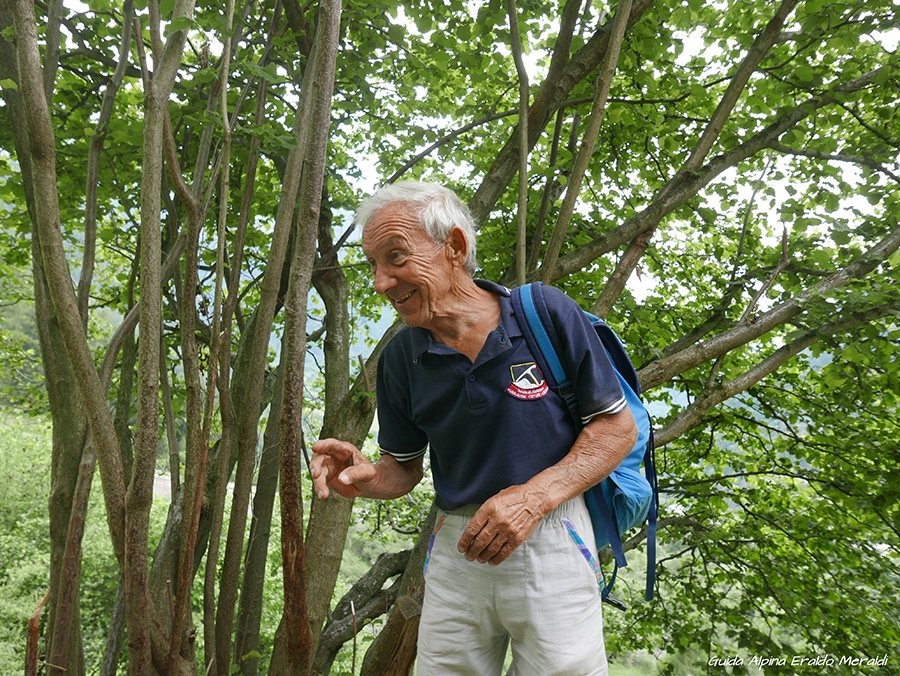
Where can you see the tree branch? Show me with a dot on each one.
(550, 193)
(551, 96)
(616, 282)
(714, 394)
(684, 185)
(588, 141)
(55, 12)
(746, 317)
(370, 601)
(838, 157)
(661, 371)
(447, 138)
(638, 538)
(754, 57)
(638, 246)
(93, 165)
(522, 206)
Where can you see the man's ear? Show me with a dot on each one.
(457, 246)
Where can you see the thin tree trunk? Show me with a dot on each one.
(318, 85)
(200, 424)
(109, 664)
(329, 519)
(323, 564)
(55, 12)
(33, 634)
(59, 282)
(255, 352)
(250, 610)
(69, 423)
(140, 490)
(71, 569)
(67, 359)
(93, 170)
(522, 202)
(247, 639)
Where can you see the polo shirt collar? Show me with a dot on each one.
(421, 339)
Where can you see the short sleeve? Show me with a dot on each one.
(398, 435)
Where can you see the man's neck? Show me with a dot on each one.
(469, 315)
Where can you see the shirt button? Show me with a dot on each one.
(471, 379)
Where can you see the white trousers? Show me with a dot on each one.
(543, 602)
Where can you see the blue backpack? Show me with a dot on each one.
(626, 498)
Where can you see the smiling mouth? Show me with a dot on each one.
(404, 298)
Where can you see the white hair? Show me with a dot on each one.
(437, 209)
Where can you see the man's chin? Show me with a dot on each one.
(409, 320)
(409, 317)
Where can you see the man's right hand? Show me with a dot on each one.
(340, 466)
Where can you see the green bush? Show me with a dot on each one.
(24, 531)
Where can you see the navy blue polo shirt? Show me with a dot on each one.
(494, 423)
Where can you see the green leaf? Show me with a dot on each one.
(180, 23)
(805, 73)
(166, 7)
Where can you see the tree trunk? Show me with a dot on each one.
(329, 519)
(69, 421)
(250, 610)
(139, 498)
(318, 85)
(394, 650)
(323, 564)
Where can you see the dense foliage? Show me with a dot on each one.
(720, 180)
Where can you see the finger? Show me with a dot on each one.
(329, 455)
(320, 471)
(501, 556)
(356, 475)
(491, 550)
(478, 547)
(332, 447)
(471, 531)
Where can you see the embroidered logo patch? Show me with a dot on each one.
(527, 382)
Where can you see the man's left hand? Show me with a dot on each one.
(501, 524)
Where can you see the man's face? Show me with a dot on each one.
(412, 270)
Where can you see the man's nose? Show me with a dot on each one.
(384, 281)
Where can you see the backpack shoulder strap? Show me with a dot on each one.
(540, 334)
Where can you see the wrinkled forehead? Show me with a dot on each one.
(395, 223)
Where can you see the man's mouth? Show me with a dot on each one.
(402, 299)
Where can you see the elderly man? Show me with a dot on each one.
(508, 464)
